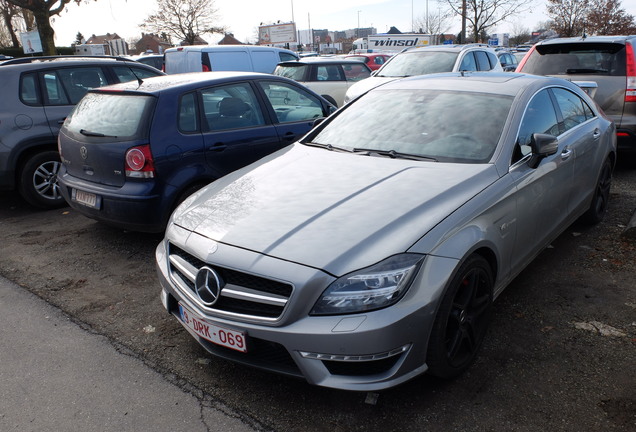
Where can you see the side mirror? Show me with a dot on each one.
(542, 145)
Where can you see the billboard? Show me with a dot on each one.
(31, 43)
(277, 33)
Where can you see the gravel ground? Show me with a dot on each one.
(560, 354)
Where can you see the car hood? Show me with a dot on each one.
(330, 210)
(365, 85)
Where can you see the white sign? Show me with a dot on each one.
(31, 43)
(278, 33)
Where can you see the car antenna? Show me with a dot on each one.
(139, 80)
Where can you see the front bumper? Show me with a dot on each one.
(362, 352)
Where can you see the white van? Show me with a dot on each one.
(204, 58)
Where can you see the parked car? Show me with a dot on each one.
(428, 60)
(359, 261)
(327, 76)
(131, 152)
(152, 59)
(373, 60)
(206, 58)
(37, 94)
(508, 60)
(607, 60)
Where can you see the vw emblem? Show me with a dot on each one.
(208, 286)
(83, 152)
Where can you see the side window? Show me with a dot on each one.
(355, 72)
(231, 106)
(329, 73)
(28, 90)
(76, 81)
(131, 73)
(188, 113)
(379, 60)
(539, 117)
(483, 64)
(291, 103)
(573, 108)
(54, 93)
(468, 63)
(286, 57)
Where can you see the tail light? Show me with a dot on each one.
(630, 91)
(139, 162)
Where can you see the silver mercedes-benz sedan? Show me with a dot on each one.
(371, 251)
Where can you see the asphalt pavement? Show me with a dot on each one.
(58, 376)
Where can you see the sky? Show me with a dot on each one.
(243, 17)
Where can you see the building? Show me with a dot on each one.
(151, 43)
(113, 44)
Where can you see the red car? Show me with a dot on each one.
(373, 60)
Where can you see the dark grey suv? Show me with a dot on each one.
(607, 60)
(37, 95)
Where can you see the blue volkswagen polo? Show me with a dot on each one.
(131, 152)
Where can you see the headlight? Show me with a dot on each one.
(371, 288)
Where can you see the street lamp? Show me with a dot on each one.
(358, 28)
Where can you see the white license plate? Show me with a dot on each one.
(86, 198)
(213, 333)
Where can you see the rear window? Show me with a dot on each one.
(577, 58)
(295, 72)
(419, 63)
(119, 117)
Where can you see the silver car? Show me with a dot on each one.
(371, 251)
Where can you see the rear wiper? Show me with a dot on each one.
(393, 154)
(327, 147)
(95, 134)
(585, 71)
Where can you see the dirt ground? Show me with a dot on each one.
(560, 354)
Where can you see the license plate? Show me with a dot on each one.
(218, 335)
(86, 198)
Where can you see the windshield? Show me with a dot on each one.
(111, 115)
(419, 63)
(445, 125)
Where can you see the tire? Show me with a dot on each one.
(600, 201)
(462, 320)
(38, 181)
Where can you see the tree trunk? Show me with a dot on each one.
(7, 22)
(45, 30)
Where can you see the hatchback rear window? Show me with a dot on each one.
(115, 116)
(577, 58)
(295, 72)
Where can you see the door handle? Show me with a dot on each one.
(289, 136)
(596, 133)
(566, 153)
(219, 146)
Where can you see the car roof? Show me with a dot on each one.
(503, 83)
(48, 61)
(587, 39)
(320, 60)
(449, 48)
(157, 84)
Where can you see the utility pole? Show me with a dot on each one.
(463, 34)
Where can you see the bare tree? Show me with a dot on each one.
(568, 16)
(520, 34)
(42, 11)
(607, 17)
(184, 20)
(9, 12)
(485, 14)
(436, 23)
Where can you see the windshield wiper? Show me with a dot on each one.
(328, 147)
(95, 134)
(393, 154)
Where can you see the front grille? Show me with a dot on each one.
(244, 295)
